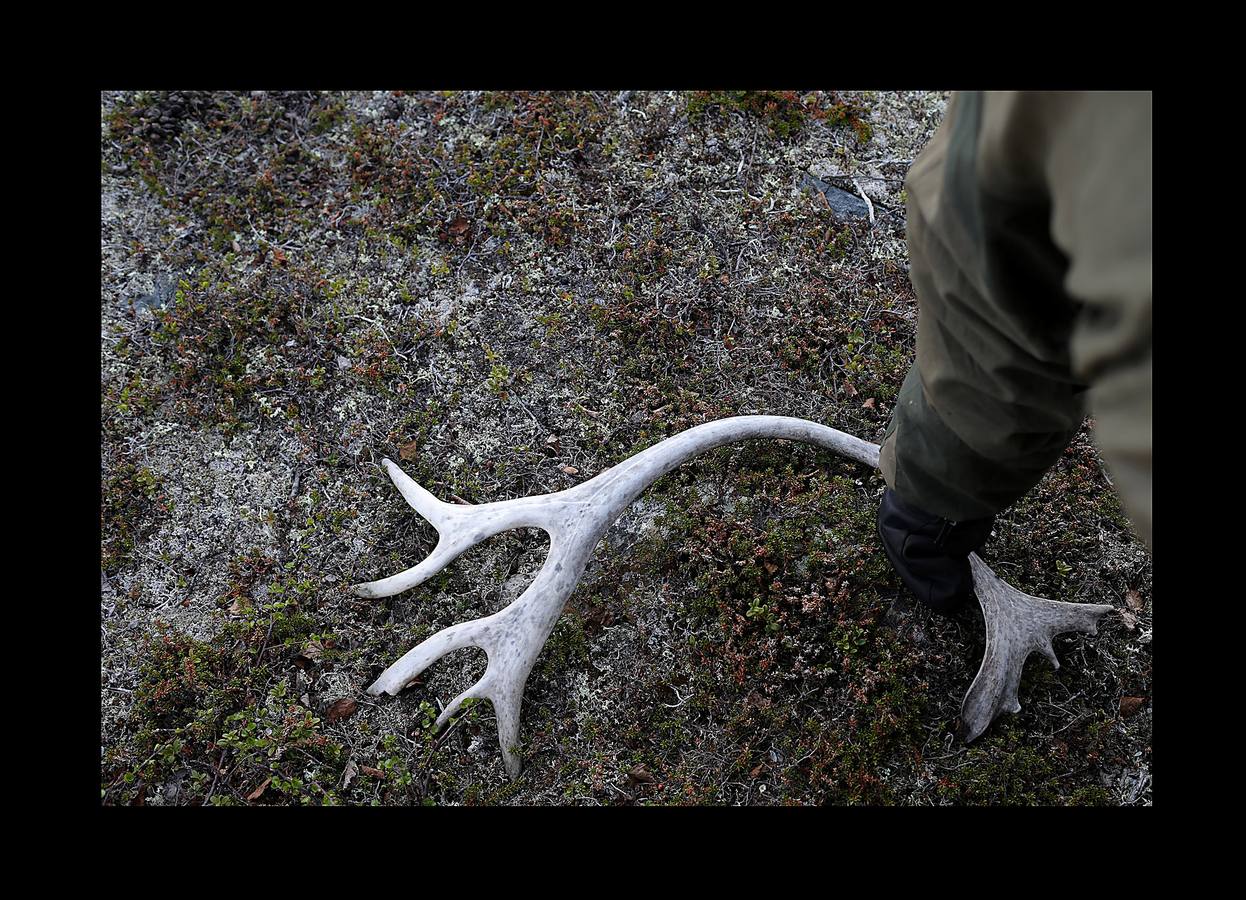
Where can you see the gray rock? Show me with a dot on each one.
(842, 203)
(157, 299)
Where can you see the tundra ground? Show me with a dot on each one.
(508, 293)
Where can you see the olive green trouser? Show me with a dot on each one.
(1029, 230)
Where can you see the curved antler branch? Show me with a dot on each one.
(577, 518)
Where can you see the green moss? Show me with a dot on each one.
(1010, 767)
(783, 112)
(229, 697)
(132, 502)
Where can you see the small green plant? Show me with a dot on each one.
(499, 375)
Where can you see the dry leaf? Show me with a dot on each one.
(571, 470)
(1130, 620)
(375, 773)
(313, 651)
(1131, 705)
(341, 709)
(352, 769)
(868, 404)
(259, 791)
(1134, 601)
(409, 451)
(641, 774)
(459, 231)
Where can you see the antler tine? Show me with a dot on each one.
(424, 503)
(459, 528)
(477, 691)
(507, 710)
(512, 638)
(442, 556)
(1017, 624)
(420, 657)
(438, 514)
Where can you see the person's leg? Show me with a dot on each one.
(1029, 222)
(1014, 220)
(991, 400)
(1099, 168)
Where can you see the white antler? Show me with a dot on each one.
(577, 518)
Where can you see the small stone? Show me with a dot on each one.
(841, 202)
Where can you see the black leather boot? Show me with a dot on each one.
(930, 553)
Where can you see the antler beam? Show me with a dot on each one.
(577, 518)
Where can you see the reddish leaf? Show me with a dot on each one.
(409, 451)
(868, 404)
(1131, 705)
(259, 791)
(459, 231)
(341, 709)
(375, 773)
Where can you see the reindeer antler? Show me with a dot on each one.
(577, 518)
(1017, 624)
